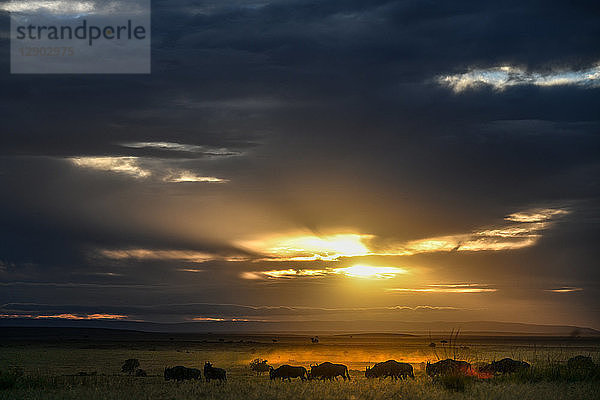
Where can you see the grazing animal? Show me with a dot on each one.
(212, 373)
(581, 363)
(329, 371)
(447, 367)
(391, 368)
(180, 373)
(140, 372)
(288, 372)
(504, 366)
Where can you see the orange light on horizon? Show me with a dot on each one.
(216, 319)
(66, 316)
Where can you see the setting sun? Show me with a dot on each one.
(310, 247)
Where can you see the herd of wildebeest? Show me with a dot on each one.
(391, 368)
(180, 373)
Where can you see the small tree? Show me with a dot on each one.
(432, 345)
(450, 347)
(130, 365)
(259, 366)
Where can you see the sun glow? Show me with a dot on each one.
(519, 230)
(369, 272)
(311, 248)
(355, 271)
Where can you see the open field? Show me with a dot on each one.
(49, 369)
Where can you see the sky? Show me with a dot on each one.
(296, 160)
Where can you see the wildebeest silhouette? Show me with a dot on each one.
(288, 372)
(391, 368)
(581, 363)
(180, 373)
(447, 367)
(329, 371)
(504, 366)
(212, 373)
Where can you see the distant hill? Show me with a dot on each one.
(312, 327)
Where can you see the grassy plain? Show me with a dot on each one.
(50, 368)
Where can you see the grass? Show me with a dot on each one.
(552, 372)
(455, 382)
(120, 387)
(51, 370)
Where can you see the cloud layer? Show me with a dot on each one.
(291, 141)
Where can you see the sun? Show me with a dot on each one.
(311, 248)
(370, 272)
(344, 245)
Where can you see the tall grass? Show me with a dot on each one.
(253, 388)
(551, 372)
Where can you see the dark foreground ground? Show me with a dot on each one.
(63, 363)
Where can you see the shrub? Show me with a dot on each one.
(455, 382)
(8, 379)
(130, 365)
(259, 366)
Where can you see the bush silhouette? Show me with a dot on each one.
(130, 365)
(259, 366)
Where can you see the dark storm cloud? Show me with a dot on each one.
(316, 115)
